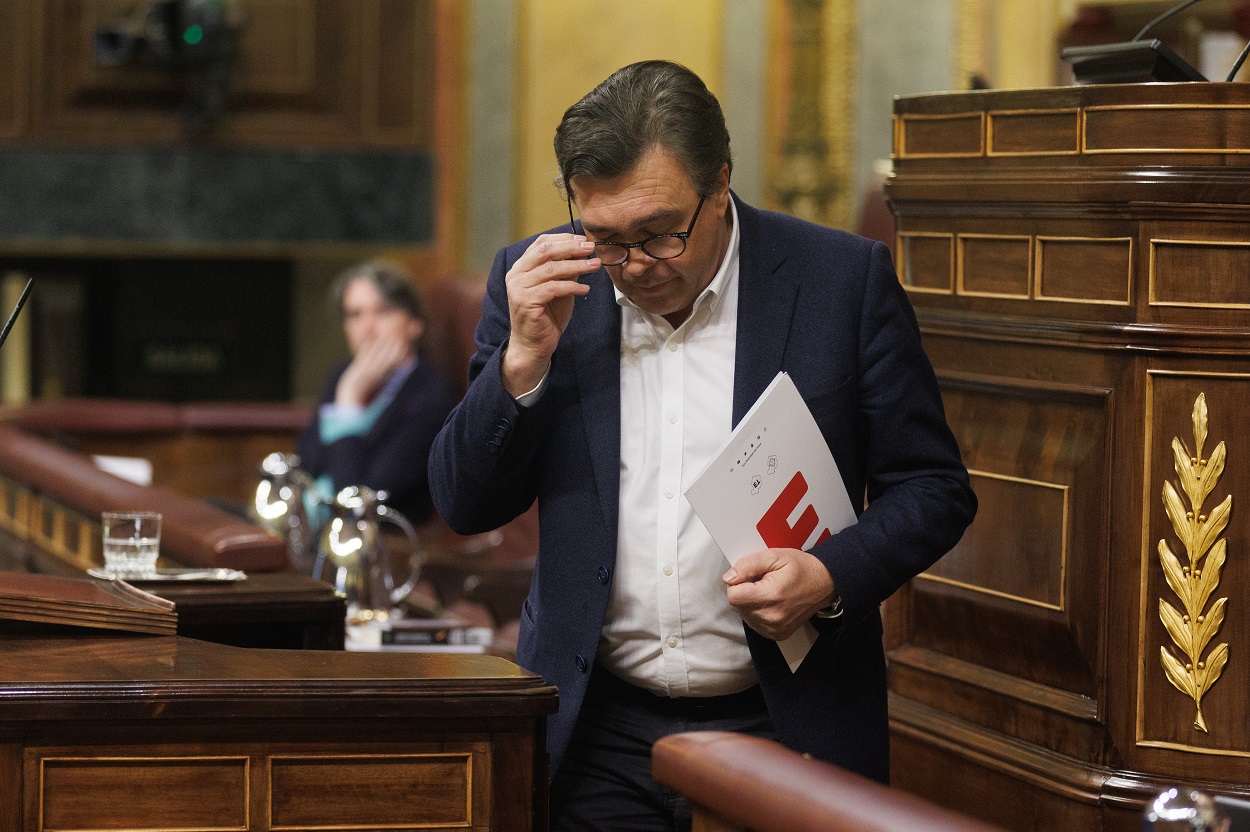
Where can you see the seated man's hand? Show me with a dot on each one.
(373, 362)
(777, 590)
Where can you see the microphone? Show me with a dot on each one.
(21, 301)
(1132, 61)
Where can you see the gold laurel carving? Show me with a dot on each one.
(1194, 581)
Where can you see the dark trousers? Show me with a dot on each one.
(604, 782)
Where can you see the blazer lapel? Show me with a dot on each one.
(765, 307)
(597, 356)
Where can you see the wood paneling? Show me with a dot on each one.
(1085, 270)
(1210, 273)
(1026, 133)
(927, 261)
(147, 792)
(941, 136)
(993, 265)
(14, 57)
(1176, 128)
(1038, 531)
(308, 71)
(384, 789)
(1099, 295)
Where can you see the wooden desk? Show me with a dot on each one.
(269, 609)
(154, 732)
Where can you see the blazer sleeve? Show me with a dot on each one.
(484, 462)
(918, 496)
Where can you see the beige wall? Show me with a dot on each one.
(565, 48)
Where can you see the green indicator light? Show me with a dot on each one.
(193, 35)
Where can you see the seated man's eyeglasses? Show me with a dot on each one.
(657, 246)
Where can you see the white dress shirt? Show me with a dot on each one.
(669, 627)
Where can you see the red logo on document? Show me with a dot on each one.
(774, 527)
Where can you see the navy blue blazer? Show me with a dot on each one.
(392, 454)
(824, 306)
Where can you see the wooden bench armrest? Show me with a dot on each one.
(194, 533)
(756, 784)
(119, 417)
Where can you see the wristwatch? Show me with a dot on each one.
(834, 610)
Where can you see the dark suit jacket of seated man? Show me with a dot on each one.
(820, 304)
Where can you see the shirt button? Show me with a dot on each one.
(672, 418)
(603, 574)
(668, 570)
(672, 641)
(672, 347)
(668, 495)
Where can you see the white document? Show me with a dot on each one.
(773, 484)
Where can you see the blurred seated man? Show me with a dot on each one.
(381, 409)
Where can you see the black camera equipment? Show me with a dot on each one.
(196, 38)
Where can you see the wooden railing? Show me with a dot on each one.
(51, 499)
(736, 783)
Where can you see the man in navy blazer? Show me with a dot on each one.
(613, 359)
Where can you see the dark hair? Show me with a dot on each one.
(393, 282)
(636, 108)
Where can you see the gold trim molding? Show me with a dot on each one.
(1194, 581)
(1063, 489)
(1157, 242)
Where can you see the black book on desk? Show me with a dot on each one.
(450, 631)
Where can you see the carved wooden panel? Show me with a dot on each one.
(147, 792)
(1030, 133)
(951, 136)
(1177, 128)
(1003, 262)
(1048, 673)
(994, 265)
(1195, 616)
(1039, 533)
(317, 71)
(388, 791)
(1038, 456)
(926, 261)
(243, 786)
(1085, 269)
(1200, 272)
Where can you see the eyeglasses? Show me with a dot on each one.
(657, 246)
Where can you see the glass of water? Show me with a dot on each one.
(132, 540)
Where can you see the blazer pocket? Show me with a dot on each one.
(827, 403)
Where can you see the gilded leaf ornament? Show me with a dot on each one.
(1194, 579)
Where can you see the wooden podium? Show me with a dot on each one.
(165, 732)
(1079, 261)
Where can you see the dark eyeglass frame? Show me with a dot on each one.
(629, 247)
